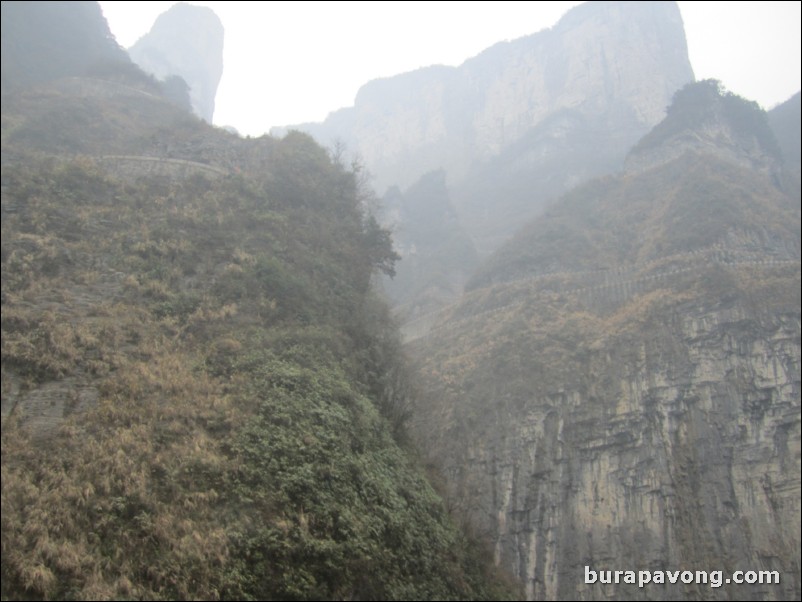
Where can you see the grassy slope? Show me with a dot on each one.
(241, 443)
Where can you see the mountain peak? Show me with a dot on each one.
(704, 118)
(616, 61)
(185, 41)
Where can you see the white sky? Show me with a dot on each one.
(293, 62)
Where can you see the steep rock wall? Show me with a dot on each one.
(617, 60)
(662, 433)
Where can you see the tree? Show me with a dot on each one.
(379, 244)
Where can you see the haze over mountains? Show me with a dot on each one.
(185, 41)
(515, 126)
(189, 405)
(70, 48)
(620, 384)
(599, 289)
(450, 117)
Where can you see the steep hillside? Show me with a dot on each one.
(47, 42)
(42, 41)
(705, 119)
(201, 397)
(682, 191)
(620, 387)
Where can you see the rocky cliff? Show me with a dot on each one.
(620, 387)
(602, 59)
(785, 123)
(521, 123)
(185, 41)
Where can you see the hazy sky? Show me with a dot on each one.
(291, 62)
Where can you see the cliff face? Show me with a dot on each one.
(186, 41)
(516, 126)
(672, 446)
(611, 59)
(785, 123)
(620, 387)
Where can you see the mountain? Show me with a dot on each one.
(603, 59)
(42, 41)
(785, 123)
(619, 388)
(185, 41)
(202, 397)
(435, 252)
(705, 120)
(521, 123)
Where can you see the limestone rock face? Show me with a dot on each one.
(518, 125)
(620, 60)
(677, 449)
(620, 386)
(186, 41)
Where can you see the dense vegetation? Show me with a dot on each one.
(701, 104)
(231, 394)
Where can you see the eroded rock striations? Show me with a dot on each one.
(620, 387)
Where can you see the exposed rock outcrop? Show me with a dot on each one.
(620, 387)
(521, 123)
(671, 444)
(613, 59)
(185, 41)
